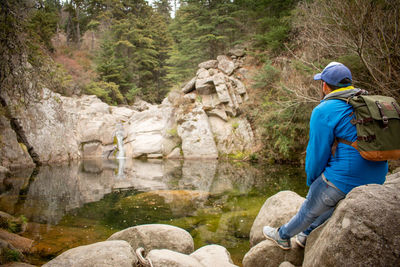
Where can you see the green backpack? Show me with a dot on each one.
(378, 126)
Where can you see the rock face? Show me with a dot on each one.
(218, 90)
(156, 236)
(196, 134)
(363, 230)
(277, 210)
(202, 122)
(147, 132)
(104, 254)
(12, 153)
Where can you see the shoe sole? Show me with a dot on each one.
(299, 243)
(276, 242)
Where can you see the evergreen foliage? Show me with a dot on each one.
(135, 49)
(44, 20)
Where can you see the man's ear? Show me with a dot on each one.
(326, 88)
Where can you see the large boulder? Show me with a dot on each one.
(363, 230)
(197, 137)
(188, 87)
(21, 243)
(267, 253)
(156, 236)
(213, 255)
(165, 257)
(210, 64)
(147, 132)
(276, 211)
(103, 254)
(225, 64)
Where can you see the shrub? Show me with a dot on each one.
(106, 91)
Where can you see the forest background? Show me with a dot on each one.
(122, 50)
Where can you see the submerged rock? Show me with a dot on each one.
(156, 236)
(21, 243)
(102, 254)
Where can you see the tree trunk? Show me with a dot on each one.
(78, 32)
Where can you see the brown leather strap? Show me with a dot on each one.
(344, 141)
(335, 144)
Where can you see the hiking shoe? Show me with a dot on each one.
(301, 239)
(273, 234)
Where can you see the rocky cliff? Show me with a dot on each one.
(202, 121)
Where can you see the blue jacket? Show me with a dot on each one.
(347, 169)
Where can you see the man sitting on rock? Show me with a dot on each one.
(330, 174)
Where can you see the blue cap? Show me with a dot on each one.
(333, 73)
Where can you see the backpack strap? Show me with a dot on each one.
(336, 142)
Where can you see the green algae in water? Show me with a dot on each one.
(220, 213)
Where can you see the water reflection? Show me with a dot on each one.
(215, 201)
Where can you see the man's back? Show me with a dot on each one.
(346, 169)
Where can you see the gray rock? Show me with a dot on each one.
(363, 230)
(189, 86)
(221, 88)
(165, 257)
(210, 101)
(190, 97)
(156, 236)
(122, 113)
(202, 74)
(219, 113)
(197, 137)
(209, 64)
(232, 135)
(12, 154)
(146, 132)
(23, 244)
(267, 253)
(226, 64)
(286, 264)
(175, 154)
(141, 105)
(238, 52)
(92, 149)
(276, 211)
(102, 254)
(239, 86)
(213, 255)
(205, 86)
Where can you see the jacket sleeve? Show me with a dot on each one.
(319, 144)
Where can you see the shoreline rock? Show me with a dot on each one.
(363, 231)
